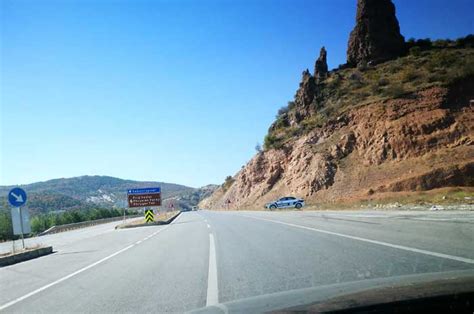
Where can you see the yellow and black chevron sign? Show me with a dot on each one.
(149, 216)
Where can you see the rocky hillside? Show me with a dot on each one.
(397, 117)
(188, 199)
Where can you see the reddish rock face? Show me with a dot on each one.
(420, 142)
(376, 36)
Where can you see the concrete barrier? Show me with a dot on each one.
(77, 225)
(24, 256)
(155, 223)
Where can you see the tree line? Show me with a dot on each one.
(42, 222)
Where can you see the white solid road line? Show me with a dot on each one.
(77, 272)
(466, 220)
(4, 306)
(396, 246)
(212, 289)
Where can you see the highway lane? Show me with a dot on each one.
(443, 232)
(22, 278)
(260, 256)
(173, 269)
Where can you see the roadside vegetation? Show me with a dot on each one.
(427, 64)
(229, 180)
(41, 222)
(441, 196)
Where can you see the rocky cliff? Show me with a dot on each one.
(406, 124)
(420, 142)
(376, 36)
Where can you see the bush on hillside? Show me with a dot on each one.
(408, 74)
(415, 51)
(395, 90)
(272, 141)
(465, 42)
(282, 111)
(229, 180)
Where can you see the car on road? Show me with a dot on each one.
(286, 202)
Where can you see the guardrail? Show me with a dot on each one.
(83, 224)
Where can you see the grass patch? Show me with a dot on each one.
(450, 196)
(442, 196)
(350, 87)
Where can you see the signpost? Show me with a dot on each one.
(145, 197)
(144, 200)
(20, 219)
(17, 197)
(144, 191)
(149, 216)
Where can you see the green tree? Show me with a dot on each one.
(227, 183)
(6, 228)
(39, 223)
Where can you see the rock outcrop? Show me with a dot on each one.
(305, 98)
(321, 66)
(305, 93)
(349, 136)
(376, 36)
(303, 102)
(419, 142)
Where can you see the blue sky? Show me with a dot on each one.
(175, 91)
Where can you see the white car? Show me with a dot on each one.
(286, 202)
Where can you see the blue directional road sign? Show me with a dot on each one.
(144, 191)
(17, 197)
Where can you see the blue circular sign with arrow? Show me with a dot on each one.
(17, 197)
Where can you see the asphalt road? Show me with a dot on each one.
(204, 258)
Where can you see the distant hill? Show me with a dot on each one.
(97, 191)
(190, 198)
